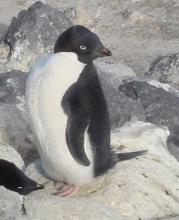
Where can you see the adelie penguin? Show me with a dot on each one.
(12, 178)
(68, 111)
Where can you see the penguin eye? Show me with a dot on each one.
(19, 187)
(83, 47)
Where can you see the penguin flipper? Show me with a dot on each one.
(76, 127)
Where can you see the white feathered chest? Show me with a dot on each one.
(46, 86)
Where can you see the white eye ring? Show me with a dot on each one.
(83, 47)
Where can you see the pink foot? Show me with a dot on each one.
(66, 190)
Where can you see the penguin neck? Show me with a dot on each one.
(67, 66)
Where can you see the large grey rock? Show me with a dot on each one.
(161, 107)
(10, 204)
(121, 108)
(34, 33)
(3, 29)
(14, 128)
(142, 188)
(10, 154)
(12, 87)
(166, 69)
(136, 31)
(167, 87)
(50, 207)
(171, 218)
(4, 63)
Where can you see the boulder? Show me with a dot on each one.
(141, 188)
(121, 107)
(166, 69)
(10, 154)
(12, 86)
(160, 107)
(33, 33)
(53, 207)
(14, 128)
(10, 204)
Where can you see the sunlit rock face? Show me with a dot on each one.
(33, 33)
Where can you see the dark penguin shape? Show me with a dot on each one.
(14, 179)
(86, 102)
(68, 111)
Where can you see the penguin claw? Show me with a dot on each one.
(66, 190)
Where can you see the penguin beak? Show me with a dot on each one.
(105, 52)
(39, 186)
(28, 189)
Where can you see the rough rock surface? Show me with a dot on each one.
(10, 154)
(12, 86)
(166, 69)
(14, 128)
(172, 218)
(121, 108)
(10, 204)
(34, 33)
(52, 207)
(137, 32)
(161, 107)
(145, 188)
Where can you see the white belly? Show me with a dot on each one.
(46, 85)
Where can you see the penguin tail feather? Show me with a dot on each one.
(130, 155)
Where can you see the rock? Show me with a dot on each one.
(14, 128)
(10, 154)
(173, 142)
(109, 68)
(172, 218)
(3, 30)
(10, 204)
(4, 63)
(166, 69)
(160, 106)
(140, 183)
(134, 30)
(52, 207)
(167, 87)
(141, 188)
(12, 86)
(36, 172)
(34, 33)
(121, 108)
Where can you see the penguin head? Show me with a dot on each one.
(83, 42)
(14, 179)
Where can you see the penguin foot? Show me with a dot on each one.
(67, 190)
